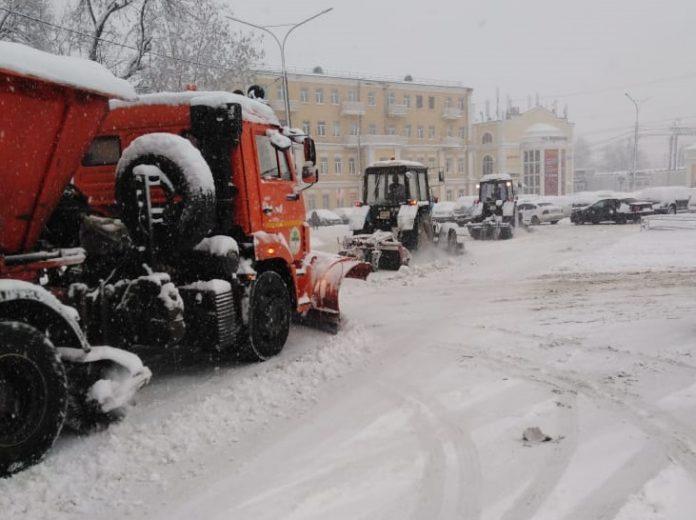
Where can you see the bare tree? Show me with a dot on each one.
(23, 29)
(161, 44)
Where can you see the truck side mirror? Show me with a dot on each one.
(310, 150)
(310, 174)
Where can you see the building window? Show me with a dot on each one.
(449, 195)
(304, 95)
(321, 128)
(431, 162)
(407, 101)
(462, 132)
(352, 95)
(407, 131)
(487, 138)
(532, 171)
(391, 130)
(371, 99)
(280, 93)
(448, 166)
(420, 132)
(338, 165)
(311, 202)
(325, 201)
(460, 193)
(448, 102)
(431, 102)
(487, 165)
(306, 127)
(462, 103)
(391, 98)
(419, 101)
(449, 131)
(319, 95)
(351, 166)
(461, 166)
(431, 132)
(324, 165)
(372, 129)
(337, 128)
(335, 99)
(354, 129)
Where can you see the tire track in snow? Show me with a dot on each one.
(453, 473)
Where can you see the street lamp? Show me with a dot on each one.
(635, 144)
(281, 46)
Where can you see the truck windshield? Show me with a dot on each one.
(385, 188)
(492, 191)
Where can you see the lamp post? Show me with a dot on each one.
(635, 143)
(281, 46)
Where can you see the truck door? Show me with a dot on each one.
(282, 210)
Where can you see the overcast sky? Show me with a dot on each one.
(584, 53)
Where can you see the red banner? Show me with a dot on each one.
(551, 172)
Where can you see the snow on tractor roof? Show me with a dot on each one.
(90, 76)
(496, 177)
(397, 162)
(252, 110)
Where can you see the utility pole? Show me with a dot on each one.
(281, 46)
(635, 143)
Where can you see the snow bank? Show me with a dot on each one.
(64, 70)
(252, 110)
(397, 162)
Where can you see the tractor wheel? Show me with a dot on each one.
(186, 194)
(554, 222)
(672, 209)
(506, 233)
(475, 233)
(269, 316)
(535, 221)
(33, 396)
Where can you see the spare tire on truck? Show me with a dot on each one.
(33, 396)
(186, 192)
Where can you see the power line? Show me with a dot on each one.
(112, 42)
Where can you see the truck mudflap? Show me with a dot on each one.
(120, 384)
(326, 272)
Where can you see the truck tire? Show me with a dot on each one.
(475, 233)
(452, 245)
(535, 221)
(189, 212)
(269, 316)
(506, 233)
(33, 396)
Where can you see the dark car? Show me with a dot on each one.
(631, 210)
(619, 211)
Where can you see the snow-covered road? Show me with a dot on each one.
(416, 408)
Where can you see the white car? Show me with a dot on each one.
(323, 217)
(443, 211)
(535, 213)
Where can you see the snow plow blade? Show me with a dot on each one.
(380, 249)
(327, 271)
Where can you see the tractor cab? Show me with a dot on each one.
(389, 185)
(494, 213)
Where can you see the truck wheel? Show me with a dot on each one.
(452, 245)
(672, 210)
(535, 221)
(188, 188)
(269, 316)
(554, 222)
(33, 396)
(475, 233)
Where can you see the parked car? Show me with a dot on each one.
(619, 211)
(535, 213)
(667, 199)
(692, 203)
(345, 213)
(323, 217)
(464, 208)
(633, 209)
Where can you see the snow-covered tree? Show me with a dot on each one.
(161, 44)
(17, 28)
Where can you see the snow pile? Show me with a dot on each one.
(278, 139)
(64, 70)
(73, 482)
(217, 286)
(397, 162)
(253, 111)
(218, 245)
(197, 172)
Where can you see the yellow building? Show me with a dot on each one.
(535, 147)
(356, 121)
